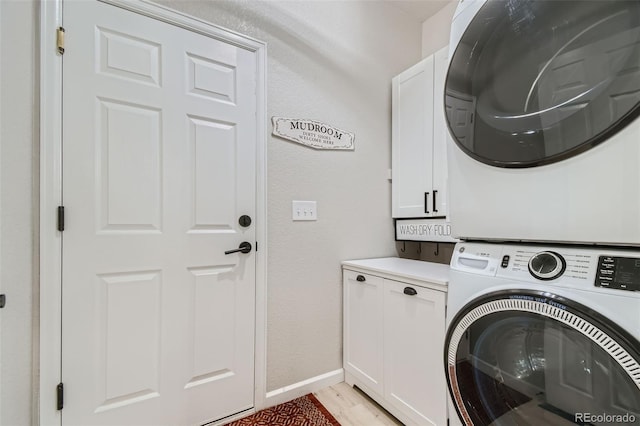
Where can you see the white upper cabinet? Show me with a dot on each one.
(419, 162)
(441, 136)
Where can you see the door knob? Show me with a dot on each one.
(245, 247)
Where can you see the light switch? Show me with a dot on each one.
(304, 210)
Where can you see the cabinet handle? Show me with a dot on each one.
(426, 202)
(410, 291)
(361, 278)
(435, 191)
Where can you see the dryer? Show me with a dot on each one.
(543, 335)
(542, 101)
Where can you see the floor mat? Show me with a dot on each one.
(303, 411)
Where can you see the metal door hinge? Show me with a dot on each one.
(3, 300)
(60, 396)
(60, 218)
(60, 40)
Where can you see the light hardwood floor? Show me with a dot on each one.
(351, 407)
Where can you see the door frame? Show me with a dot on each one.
(50, 321)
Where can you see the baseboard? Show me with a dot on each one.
(232, 418)
(302, 388)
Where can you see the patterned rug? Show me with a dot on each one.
(304, 411)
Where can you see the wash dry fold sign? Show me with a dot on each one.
(312, 133)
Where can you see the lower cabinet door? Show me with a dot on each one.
(363, 328)
(414, 326)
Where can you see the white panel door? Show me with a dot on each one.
(159, 154)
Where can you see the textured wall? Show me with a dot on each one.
(330, 61)
(327, 60)
(436, 29)
(18, 208)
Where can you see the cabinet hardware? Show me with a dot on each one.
(60, 396)
(435, 191)
(60, 218)
(410, 291)
(361, 278)
(426, 202)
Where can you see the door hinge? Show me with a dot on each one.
(3, 300)
(60, 40)
(60, 396)
(60, 218)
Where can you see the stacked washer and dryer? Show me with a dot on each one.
(543, 315)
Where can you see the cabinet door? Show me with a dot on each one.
(441, 136)
(412, 134)
(414, 379)
(363, 328)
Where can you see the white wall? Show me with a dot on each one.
(18, 208)
(330, 61)
(327, 60)
(436, 29)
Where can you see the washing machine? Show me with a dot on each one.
(542, 101)
(543, 335)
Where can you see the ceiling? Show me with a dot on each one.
(420, 9)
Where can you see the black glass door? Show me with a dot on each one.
(533, 82)
(526, 358)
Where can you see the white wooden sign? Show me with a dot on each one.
(312, 133)
(437, 230)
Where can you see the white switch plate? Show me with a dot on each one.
(304, 210)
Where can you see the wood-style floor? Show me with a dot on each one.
(351, 407)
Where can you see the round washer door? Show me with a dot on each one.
(532, 358)
(534, 82)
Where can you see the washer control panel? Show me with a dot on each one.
(604, 270)
(546, 265)
(622, 273)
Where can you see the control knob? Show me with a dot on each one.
(546, 265)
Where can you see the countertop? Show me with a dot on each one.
(407, 269)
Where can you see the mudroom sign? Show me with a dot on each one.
(312, 133)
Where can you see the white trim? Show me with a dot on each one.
(51, 191)
(232, 418)
(1, 286)
(50, 199)
(191, 23)
(261, 231)
(304, 387)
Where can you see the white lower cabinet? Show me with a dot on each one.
(394, 325)
(413, 357)
(363, 301)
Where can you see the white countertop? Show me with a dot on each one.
(436, 273)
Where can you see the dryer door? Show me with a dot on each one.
(533, 358)
(535, 82)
